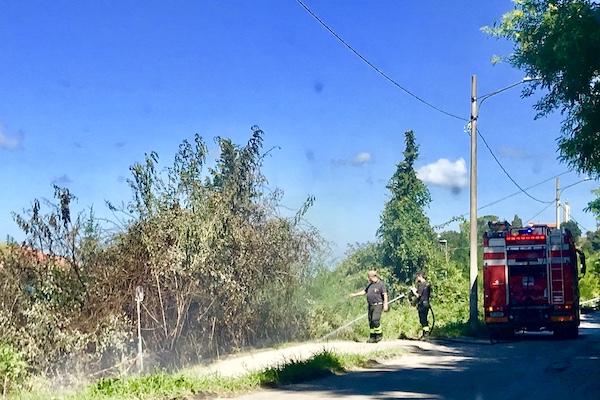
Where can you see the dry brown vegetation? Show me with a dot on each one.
(218, 265)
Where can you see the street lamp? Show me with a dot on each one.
(473, 268)
(444, 242)
(559, 191)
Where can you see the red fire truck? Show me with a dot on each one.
(530, 280)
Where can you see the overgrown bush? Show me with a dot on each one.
(39, 316)
(219, 267)
(13, 369)
(590, 283)
(331, 308)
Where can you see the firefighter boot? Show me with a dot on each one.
(372, 338)
(378, 337)
(424, 333)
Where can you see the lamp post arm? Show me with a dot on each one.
(487, 96)
(558, 193)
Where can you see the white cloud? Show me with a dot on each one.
(11, 143)
(445, 173)
(362, 158)
(358, 160)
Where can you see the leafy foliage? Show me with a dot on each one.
(594, 205)
(407, 244)
(517, 222)
(592, 243)
(46, 310)
(574, 228)
(211, 251)
(13, 369)
(558, 41)
(405, 233)
(219, 267)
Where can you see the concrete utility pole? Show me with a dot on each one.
(473, 209)
(567, 212)
(473, 269)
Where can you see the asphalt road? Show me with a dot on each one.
(535, 366)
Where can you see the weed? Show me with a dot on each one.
(163, 385)
(13, 369)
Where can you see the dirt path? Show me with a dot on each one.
(534, 367)
(261, 359)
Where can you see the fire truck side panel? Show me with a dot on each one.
(495, 272)
(495, 292)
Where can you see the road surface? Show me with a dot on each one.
(536, 366)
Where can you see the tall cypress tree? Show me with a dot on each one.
(406, 236)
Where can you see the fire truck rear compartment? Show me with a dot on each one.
(528, 281)
(528, 286)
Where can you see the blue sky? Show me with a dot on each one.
(90, 87)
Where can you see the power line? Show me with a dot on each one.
(415, 96)
(506, 172)
(543, 209)
(519, 192)
(461, 217)
(388, 78)
(370, 64)
(583, 228)
(572, 219)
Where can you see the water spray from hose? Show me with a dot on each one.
(356, 319)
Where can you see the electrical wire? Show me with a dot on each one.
(506, 172)
(461, 217)
(370, 64)
(583, 228)
(543, 209)
(519, 192)
(388, 78)
(415, 96)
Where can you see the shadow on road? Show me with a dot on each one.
(535, 367)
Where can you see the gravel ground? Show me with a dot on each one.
(261, 359)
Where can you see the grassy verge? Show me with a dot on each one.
(161, 385)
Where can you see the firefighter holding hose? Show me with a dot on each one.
(377, 299)
(422, 293)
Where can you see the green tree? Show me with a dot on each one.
(594, 205)
(574, 228)
(406, 237)
(220, 267)
(458, 247)
(592, 242)
(49, 311)
(516, 222)
(558, 41)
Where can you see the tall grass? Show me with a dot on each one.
(160, 385)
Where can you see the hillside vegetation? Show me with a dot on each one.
(220, 269)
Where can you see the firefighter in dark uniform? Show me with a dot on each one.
(377, 299)
(422, 293)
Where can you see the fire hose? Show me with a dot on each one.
(365, 314)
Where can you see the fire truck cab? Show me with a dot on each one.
(530, 280)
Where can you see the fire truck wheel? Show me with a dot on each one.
(570, 332)
(499, 334)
